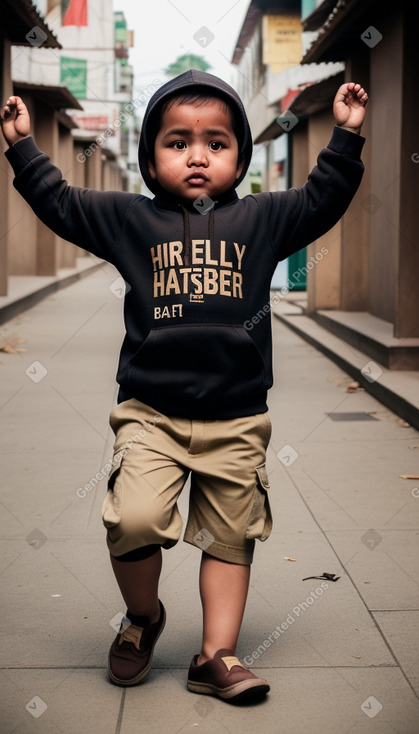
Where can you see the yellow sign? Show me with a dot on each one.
(282, 41)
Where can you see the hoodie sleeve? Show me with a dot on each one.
(299, 216)
(88, 218)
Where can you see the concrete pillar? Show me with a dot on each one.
(66, 251)
(22, 235)
(356, 221)
(299, 155)
(406, 296)
(94, 170)
(323, 280)
(79, 163)
(386, 124)
(6, 173)
(46, 136)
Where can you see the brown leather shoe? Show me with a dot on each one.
(226, 677)
(131, 652)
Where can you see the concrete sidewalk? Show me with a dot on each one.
(25, 291)
(341, 656)
(395, 388)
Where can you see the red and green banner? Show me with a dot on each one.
(74, 12)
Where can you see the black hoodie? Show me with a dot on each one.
(198, 331)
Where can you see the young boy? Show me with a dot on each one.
(193, 379)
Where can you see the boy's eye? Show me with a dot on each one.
(215, 145)
(179, 145)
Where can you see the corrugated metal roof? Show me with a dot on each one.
(312, 99)
(56, 97)
(340, 35)
(23, 25)
(318, 16)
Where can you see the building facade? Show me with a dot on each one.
(69, 63)
(365, 290)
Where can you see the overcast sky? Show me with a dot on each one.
(165, 29)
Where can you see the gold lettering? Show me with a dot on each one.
(210, 281)
(197, 252)
(157, 258)
(176, 249)
(237, 285)
(225, 283)
(165, 255)
(223, 261)
(196, 279)
(172, 283)
(208, 260)
(158, 284)
(239, 254)
(185, 272)
(168, 312)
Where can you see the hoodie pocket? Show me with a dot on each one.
(199, 362)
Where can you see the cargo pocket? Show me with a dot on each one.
(260, 519)
(112, 504)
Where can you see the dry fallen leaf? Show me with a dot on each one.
(352, 387)
(286, 558)
(409, 476)
(8, 344)
(357, 657)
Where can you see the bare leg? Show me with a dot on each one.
(139, 585)
(223, 588)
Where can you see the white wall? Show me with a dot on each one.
(95, 43)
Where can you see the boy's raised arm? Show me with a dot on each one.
(301, 215)
(90, 219)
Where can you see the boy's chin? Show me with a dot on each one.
(192, 196)
(195, 194)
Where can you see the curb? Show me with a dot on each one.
(15, 308)
(400, 405)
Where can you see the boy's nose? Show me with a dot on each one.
(197, 156)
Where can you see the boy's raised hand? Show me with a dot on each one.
(15, 121)
(349, 106)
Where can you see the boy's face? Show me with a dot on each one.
(196, 151)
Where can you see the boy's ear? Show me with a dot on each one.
(239, 169)
(152, 170)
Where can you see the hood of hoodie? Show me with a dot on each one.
(191, 81)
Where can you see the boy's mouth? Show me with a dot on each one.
(197, 178)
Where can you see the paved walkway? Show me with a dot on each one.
(341, 656)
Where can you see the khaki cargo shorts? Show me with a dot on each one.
(153, 457)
